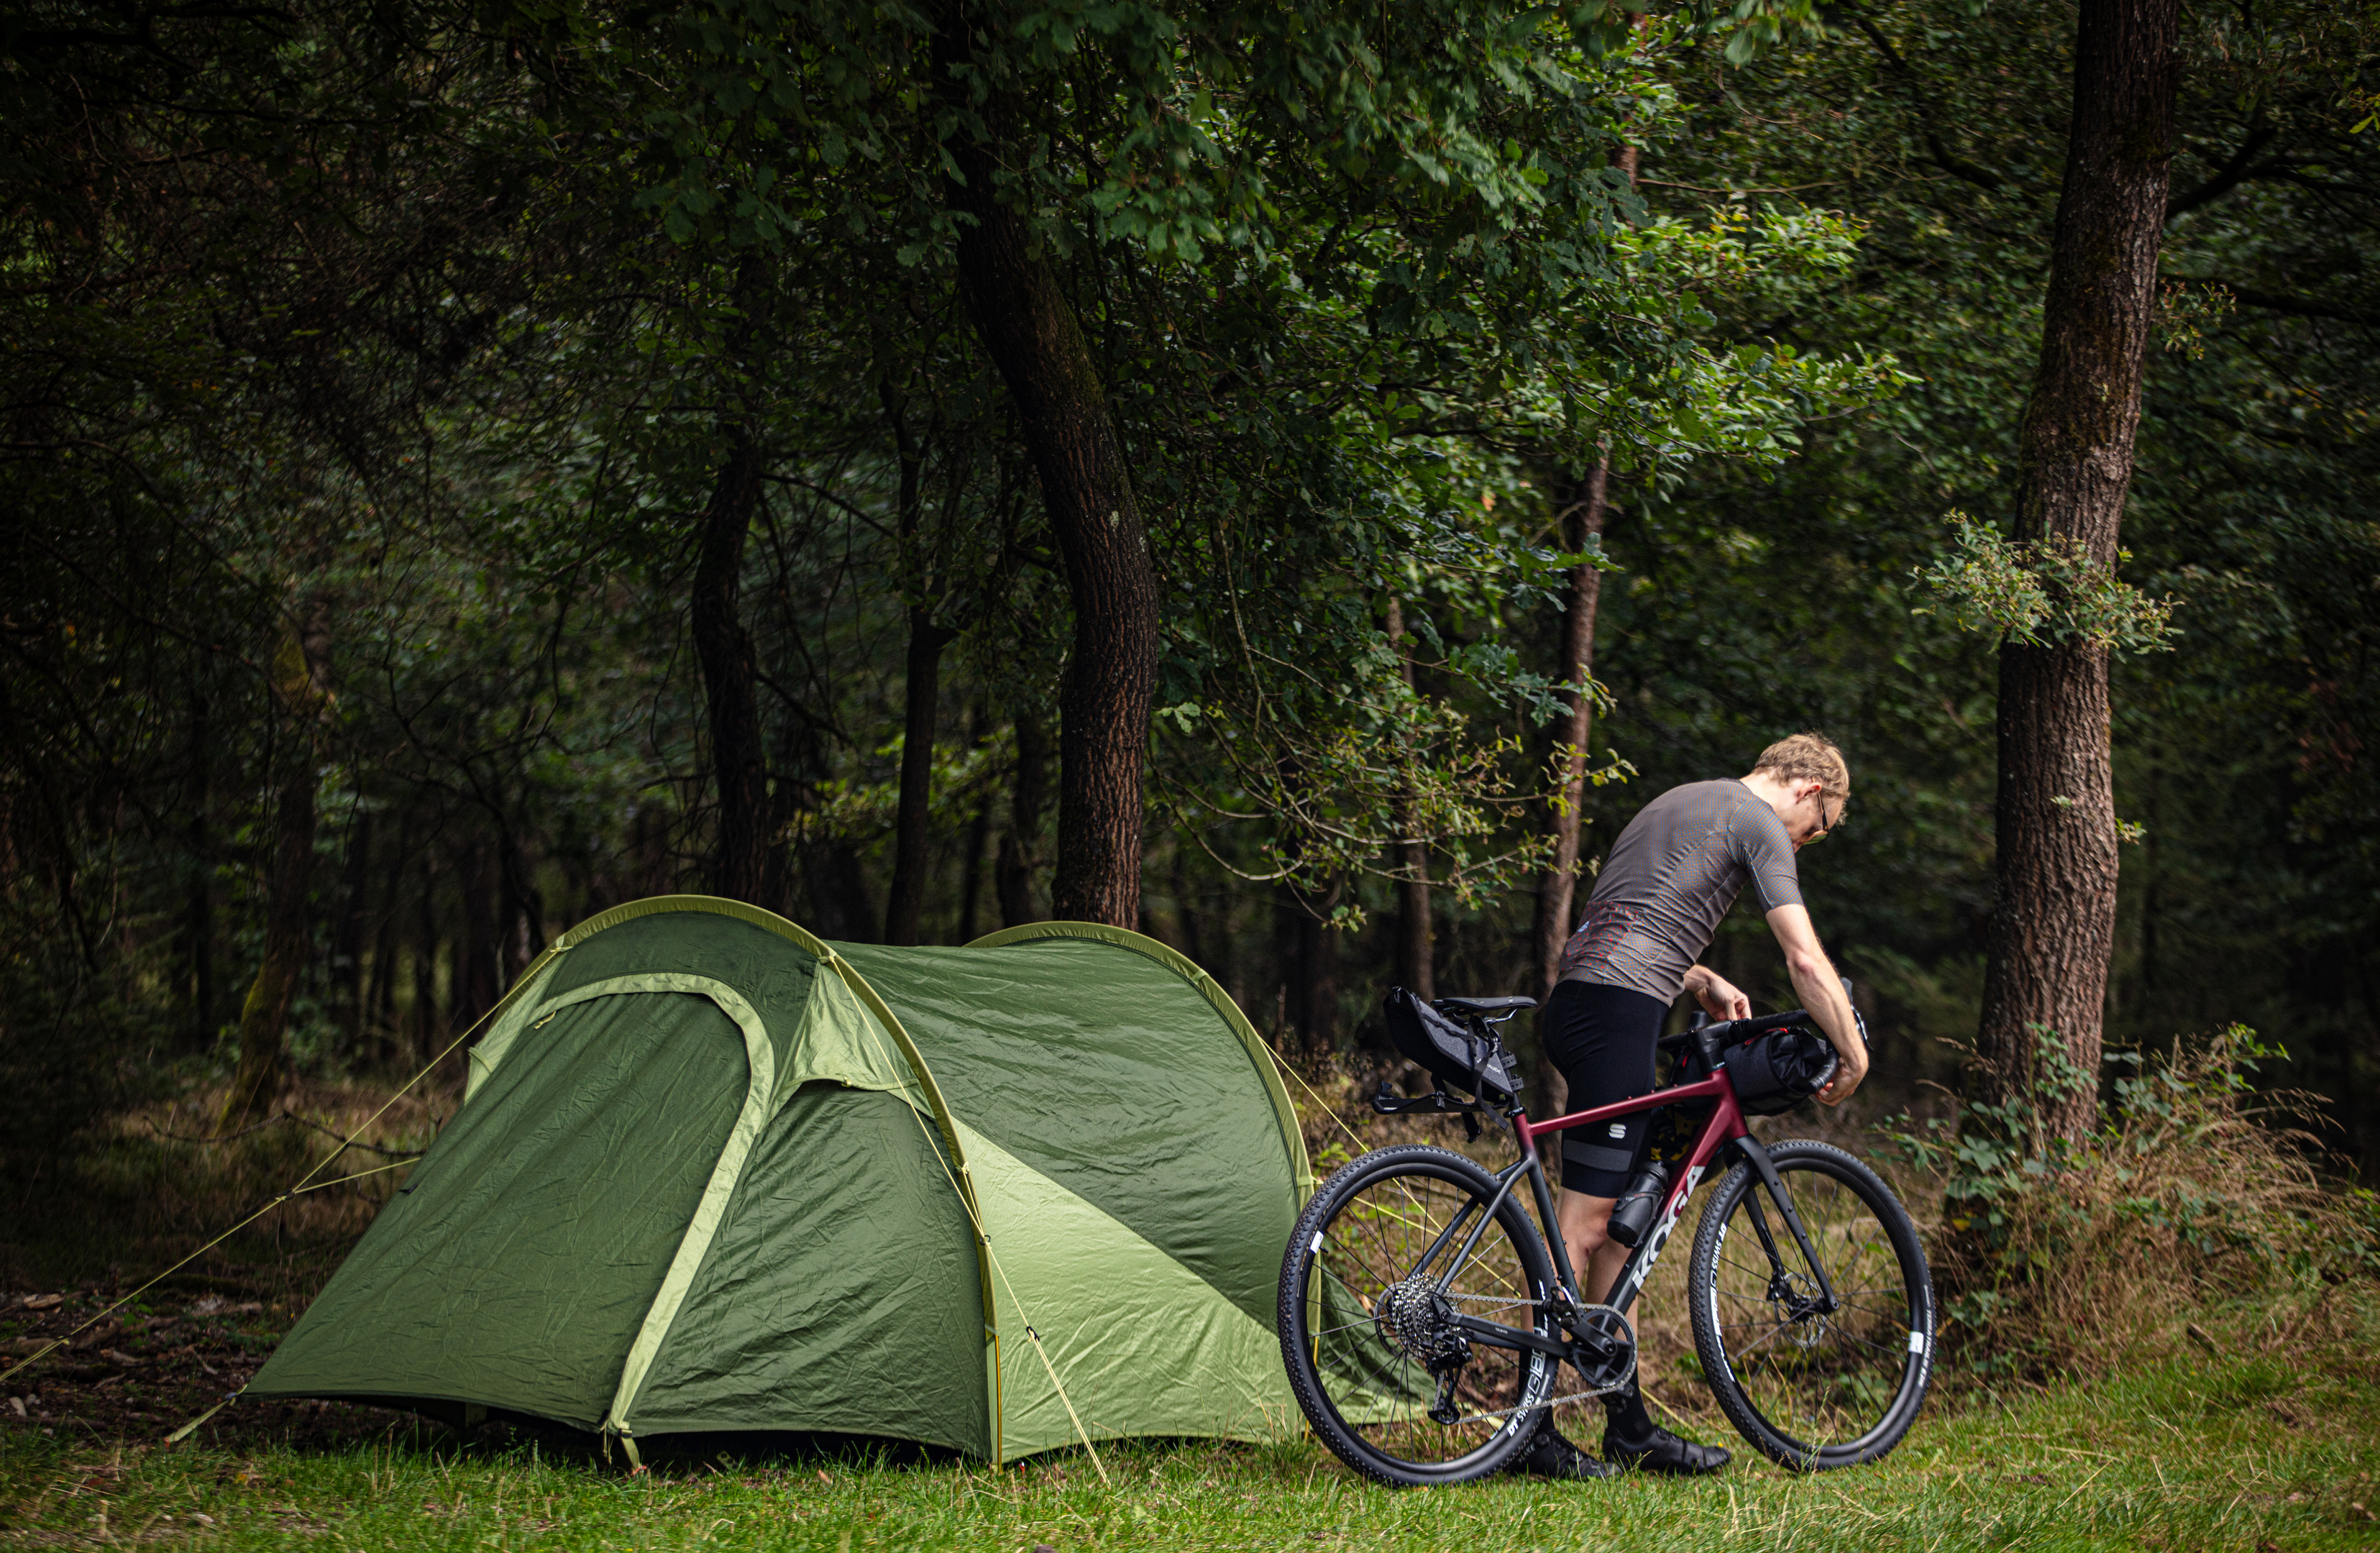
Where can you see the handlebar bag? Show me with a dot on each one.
(1776, 1071)
(1448, 1050)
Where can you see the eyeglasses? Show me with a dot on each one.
(1824, 828)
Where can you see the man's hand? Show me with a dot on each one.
(1838, 1090)
(1822, 993)
(1719, 997)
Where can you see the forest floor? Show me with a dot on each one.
(2261, 1451)
(2261, 1438)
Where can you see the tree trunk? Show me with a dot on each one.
(2054, 908)
(475, 986)
(1305, 949)
(199, 910)
(425, 1030)
(971, 879)
(347, 955)
(926, 643)
(1415, 956)
(1029, 331)
(380, 998)
(739, 768)
(1584, 507)
(1013, 873)
(1583, 516)
(301, 684)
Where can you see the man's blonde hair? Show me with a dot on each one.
(1808, 758)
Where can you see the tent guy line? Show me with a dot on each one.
(304, 1184)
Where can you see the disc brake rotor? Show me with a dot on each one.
(1796, 1301)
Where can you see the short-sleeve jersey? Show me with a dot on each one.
(1671, 876)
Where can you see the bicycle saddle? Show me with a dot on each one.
(1482, 1005)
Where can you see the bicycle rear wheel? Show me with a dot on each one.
(1370, 1288)
(1812, 1388)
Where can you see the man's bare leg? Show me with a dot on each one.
(1594, 1254)
(1586, 1230)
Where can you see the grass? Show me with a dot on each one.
(2263, 1436)
(2258, 1453)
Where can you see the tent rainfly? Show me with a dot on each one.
(713, 1173)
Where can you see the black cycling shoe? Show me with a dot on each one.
(1666, 1454)
(1550, 1455)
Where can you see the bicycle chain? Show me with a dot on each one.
(1626, 1373)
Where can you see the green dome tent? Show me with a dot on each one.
(713, 1173)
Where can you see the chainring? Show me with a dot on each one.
(1604, 1376)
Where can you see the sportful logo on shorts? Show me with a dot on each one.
(1619, 1129)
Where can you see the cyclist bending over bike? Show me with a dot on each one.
(1671, 876)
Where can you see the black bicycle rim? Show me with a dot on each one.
(1814, 1389)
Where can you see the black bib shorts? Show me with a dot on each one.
(1603, 1039)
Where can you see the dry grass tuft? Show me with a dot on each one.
(2195, 1214)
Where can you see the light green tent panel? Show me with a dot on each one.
(713, 1173)
(1102, 1068)
(1094, 1292)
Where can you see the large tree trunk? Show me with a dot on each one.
(301, 667)
(1029, 330)
(2053, 911)
(739, 848)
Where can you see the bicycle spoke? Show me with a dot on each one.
(1796, 1381)
(1387, 1246)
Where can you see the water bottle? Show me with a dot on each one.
(1632, 1215)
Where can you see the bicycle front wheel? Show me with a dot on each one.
(1812, 1388)
(1399, 1296)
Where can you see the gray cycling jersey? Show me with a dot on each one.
(1670, 877)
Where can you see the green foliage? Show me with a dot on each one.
(2050, 591)
(2058, 1254)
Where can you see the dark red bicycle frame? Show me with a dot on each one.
(1724, 1126)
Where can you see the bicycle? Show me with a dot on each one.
(1817, 1343)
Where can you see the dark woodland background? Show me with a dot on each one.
(372, 372)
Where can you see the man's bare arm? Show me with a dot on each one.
(1719, 997)
(1822, 993)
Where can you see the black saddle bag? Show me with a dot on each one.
(1448, 1050)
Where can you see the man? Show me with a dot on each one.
(1671, 876)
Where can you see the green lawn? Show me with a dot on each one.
(2258, 1454)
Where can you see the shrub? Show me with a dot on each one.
(2195, 1195)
